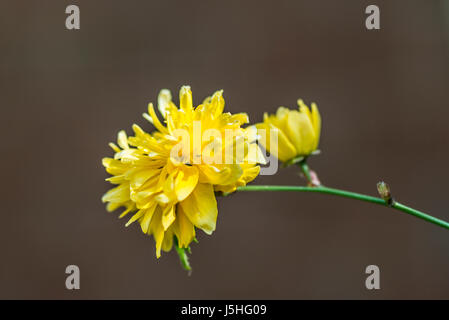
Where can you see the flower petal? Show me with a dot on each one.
(220, 174)
(155, 120)
(186, 182)
(284, 150)
(316, 121)
(122, 140)
(157, 230)
(163, 101)
(168, 216)
(146, 217)
(117, 194)
(300, 132)
(217, 103)
(201, 207)
(185, 99)
(167, 243)
(183, 228)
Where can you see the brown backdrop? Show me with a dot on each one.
(383, 96)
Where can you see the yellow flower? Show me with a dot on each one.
(163, 177)
(298, 131)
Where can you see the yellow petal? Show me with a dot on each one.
(169, 186)
(280, 119)
(163, 101)
(300, 132)
(116, 179)
(304, 109)
(127, 155)
(157, 230)
(239, 118)
(144, 197)
(250, 173)
(284, 150)
(220, 174)
(183, 228)
(185, 99)
(114, 167)
(122, 140)
(139, 177)
(207, 100)
(186, 182)
(111, 206)
(168, 216)
(167, 243)
(135, 217)
(114, 147)
(146, 218)
(155, 120)
(217, 103)
(124, 213)
(163, 199)
(117, 194)
(316, 121)
(201, 207)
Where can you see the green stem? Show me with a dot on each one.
(352, 195)
(305, 170)
(183, 258)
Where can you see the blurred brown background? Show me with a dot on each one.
(383, 96)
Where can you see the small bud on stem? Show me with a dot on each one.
(384, 192)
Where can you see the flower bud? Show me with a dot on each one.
(384, 192)
(298, 132)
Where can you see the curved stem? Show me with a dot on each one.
(352, 195)
(305, 170)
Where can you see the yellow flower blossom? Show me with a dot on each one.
(298, 131)
(170, 193)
